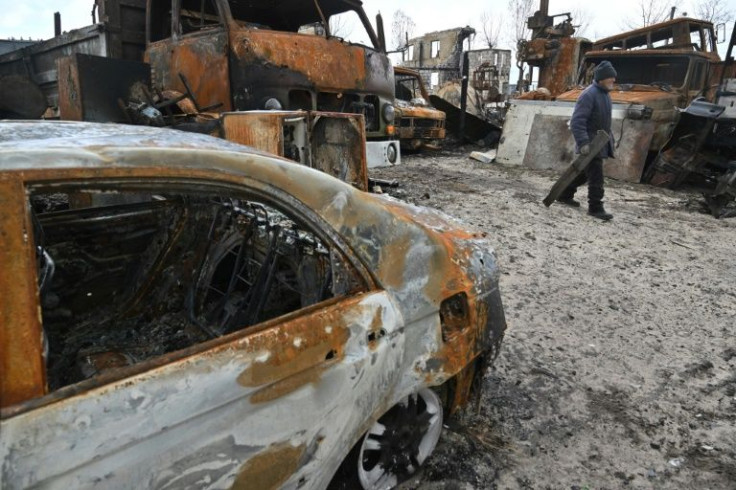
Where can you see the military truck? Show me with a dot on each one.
(226, 55)
(660, 68)
(419, 124)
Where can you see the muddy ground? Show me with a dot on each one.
(619, 365)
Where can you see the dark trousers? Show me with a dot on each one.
(594, 176)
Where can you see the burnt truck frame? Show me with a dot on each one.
(418, 123)
(240, 56)
(645, 108)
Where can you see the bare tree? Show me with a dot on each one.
(491, 27)
(715, 11)
(341, 26)
(581, 20)
(401, 28)
(519, 13)
(650, 12)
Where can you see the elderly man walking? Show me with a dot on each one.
(592, 113)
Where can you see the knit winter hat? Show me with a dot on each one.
(604, 70)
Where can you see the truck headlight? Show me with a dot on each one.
(392, 153)
(272, 104)
(388, 112)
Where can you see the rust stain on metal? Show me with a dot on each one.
(23, 375)
(270, 469)
(327, 63)
(393, 260)
(292, 359)
(637, 94)
(301, 347)
(70, 104)
(288, 385)
(259, 130)
(202, 61)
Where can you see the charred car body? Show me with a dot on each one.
(180, 311)
(418, 123)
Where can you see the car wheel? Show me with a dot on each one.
(399, 442)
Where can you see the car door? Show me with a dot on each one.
(278, 403)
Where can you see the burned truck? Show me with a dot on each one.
(660, 68)
(419, 124)
(222, 55)
(239, 56)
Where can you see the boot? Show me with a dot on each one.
(596, 210)
(568, 201)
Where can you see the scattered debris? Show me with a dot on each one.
(476, 129)
(484, 157)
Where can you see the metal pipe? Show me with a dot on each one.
(57, 24)
(544, 7)
(464, 93)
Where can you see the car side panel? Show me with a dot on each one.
(260, 411)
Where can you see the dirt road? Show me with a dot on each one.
(619, 366)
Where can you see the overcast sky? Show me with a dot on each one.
(34, 18)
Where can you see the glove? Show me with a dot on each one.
(585, 149)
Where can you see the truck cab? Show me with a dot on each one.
(661, 69)
(419, 124)
(237, 56)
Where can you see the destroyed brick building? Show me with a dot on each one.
(8, 45)
(490, 70)
(437, 56)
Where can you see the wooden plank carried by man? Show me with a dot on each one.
(577, 167)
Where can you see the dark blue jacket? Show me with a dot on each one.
(592, 112)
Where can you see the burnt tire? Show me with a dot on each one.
(395, 446)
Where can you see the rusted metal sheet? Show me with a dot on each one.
(90, 87)
(536, 134)
(330, 142)
(557, 61)
(222, 412)
(263, 130)
(553, 146)
(327, 65)
(201, 59)
(681, 155)
(22, 372)
(337, 147)
(475, 128)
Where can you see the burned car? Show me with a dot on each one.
(179, 311)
